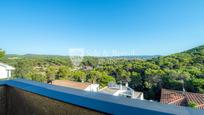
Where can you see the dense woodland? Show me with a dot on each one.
(185, 69)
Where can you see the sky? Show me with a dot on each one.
(101, 27)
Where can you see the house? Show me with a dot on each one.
(5, 71)
(77, 85)
(120, 90)
(181, 98)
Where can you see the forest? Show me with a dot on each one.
(176, 71)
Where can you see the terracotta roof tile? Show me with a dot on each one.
(181, 98)
(168, 96)
(195, 97)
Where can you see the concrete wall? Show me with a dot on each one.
(3, 100)
(24, 103)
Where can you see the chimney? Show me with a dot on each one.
(184, 91)
(183, 88)
(126, 84)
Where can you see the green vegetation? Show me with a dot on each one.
(149, 76)
(192, 104)
(2, 53)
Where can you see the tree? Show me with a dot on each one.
(23, 67)
(193, 71)
(51, 73)
(136, 81)
(94, 76)
(2, 53)
(90, 61)
(36, 76)
(79, 76)
(64, 73)
(122, 76)
(172, 79)
(195, 85)
(105, 79)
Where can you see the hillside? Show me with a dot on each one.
(193, 57)
(187, 66)
(196, 51)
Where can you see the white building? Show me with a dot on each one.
(119, 90)
(111, 89)
(77, 85)
(5, 71)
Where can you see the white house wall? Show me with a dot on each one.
(92, 87)
(3, 72)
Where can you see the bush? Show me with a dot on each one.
(192, 104)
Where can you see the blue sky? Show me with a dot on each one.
(149, 27)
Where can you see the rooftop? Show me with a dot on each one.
(45, 99)
(120, 90)
(181, 98)
(8, 67)
(72, 84)
(108, 90)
